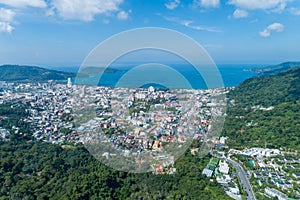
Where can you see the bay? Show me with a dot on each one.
(231, 74)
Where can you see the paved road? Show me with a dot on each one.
(244, 180)
(242, 175)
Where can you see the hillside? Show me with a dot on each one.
(275, 69)
(278, 127)
(31, 73)
(268, 91)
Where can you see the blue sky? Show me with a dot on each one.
(63, 32)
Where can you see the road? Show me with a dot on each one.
(244, 180)
(242, 175)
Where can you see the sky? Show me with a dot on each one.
(62, 32)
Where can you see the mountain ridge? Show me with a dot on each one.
(275, 69)
(24, 73)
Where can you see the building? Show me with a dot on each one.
(224, 179)
(275, 193)
(235, 191)
(4, 133)
(69, 84)
(151, 89)
(260, 152)
(223, 167)
(296, 175)
(207, 172)
(223, 140)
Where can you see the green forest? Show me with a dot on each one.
(31, 170)
(276, 128)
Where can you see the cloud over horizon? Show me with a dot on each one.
(6, 18)
(172, 4)
(84, 10)
(190, 24)
(259, 4)
(209, 3)
(277, 27)
(24, 3)
(238, 13)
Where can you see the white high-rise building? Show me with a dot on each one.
(151, 89)
(69, 84)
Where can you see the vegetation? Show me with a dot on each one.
(31, 73)
(11, 118)
(268, 91)
(46, 171)
(36, 170)
(275, 69)
(277, 128)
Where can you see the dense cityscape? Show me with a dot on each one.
(140, 124)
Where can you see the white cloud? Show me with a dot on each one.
(276, 5)
(265, 33)
(277, 27)
(6, 17)
(190, 24)
(50, 12)
(6, 27)
(24, 3)
(238, 13)
(209, 3)
(84, 10)
(172, 5)
(122, 15)
(295, 11)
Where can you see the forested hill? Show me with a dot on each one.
(31, 73)
(250, 123)
(268, 91)
(275, 69)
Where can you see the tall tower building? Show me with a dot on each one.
(69, 84)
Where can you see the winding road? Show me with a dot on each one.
(242, 175)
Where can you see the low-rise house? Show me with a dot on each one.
(234, 190)
(207, 172)
(4, 133)
(275, 193)
(296, 175)
(223, 179)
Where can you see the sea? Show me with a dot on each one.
(231, 75)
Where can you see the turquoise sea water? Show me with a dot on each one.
(231, 74)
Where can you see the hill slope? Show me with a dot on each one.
(31, 73)
(275, 128)
(275, 69)
(269, 91)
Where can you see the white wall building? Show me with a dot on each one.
(223, 167)
(275, 193)
(69, 84)
(223, 140)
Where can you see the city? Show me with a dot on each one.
(140, 124)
